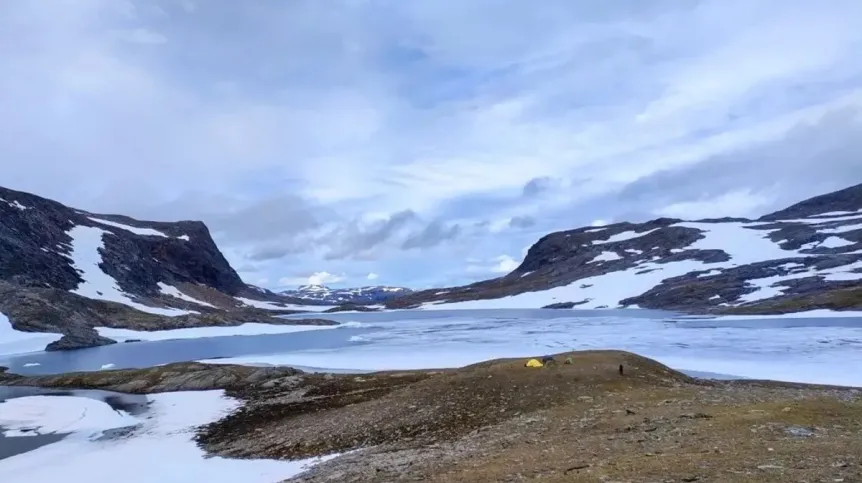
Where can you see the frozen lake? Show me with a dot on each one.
(819, 349)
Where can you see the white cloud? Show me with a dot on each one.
(316, 278)
(141, 36)
(734, 204)
(448, 113)
(505, 264)
(494, 267)
(372, 276)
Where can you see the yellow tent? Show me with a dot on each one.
(534, 363)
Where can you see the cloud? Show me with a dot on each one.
(505, 264)
(316, 278)
(522, 221)
(531, 119)
(372, 276)
(141, 36)
(814, 157)
(433, 234)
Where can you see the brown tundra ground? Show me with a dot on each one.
(499, 421)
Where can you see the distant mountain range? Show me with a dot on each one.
(807, 256)
(339, 296)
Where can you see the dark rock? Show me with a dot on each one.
(351, 307)
(79, 339)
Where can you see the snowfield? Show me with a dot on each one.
(172, 291)
(86, 242)
(159, 448)
(17, 342)
(743, 243)
(260, 304)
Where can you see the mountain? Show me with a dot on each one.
(807, 256)
(340, 296)
(67, 271)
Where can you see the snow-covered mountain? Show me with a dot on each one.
(804, 257)
(339, 296)
(67, 271)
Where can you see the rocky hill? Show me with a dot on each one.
(340, 296)
(804, 257)
(66, 271)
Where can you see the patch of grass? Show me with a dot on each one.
(838, 299)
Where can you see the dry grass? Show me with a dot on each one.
(500, 421)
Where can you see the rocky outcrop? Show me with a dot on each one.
(181, 376)
(806, 256)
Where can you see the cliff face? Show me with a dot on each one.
(42, 242)
(803, 257)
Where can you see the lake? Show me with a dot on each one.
(797, 349)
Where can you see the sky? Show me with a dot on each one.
(425, 143)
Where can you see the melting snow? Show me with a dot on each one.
(54, 414)
(607, 257)
(17, 342)
(175, 292)
(626, 235)
(86, 242)
(15, 204)
(841, 229)
(836, 242)
(844, 273)
(249, 328)
(133, 229)
(160, 449)
(260, 304)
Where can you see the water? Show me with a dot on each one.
(148, 354)
(822, 350)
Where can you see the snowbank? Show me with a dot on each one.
(819, 313)
(260, 304)
(250, 328)
(86, 242)
(56, 414)
(161, 449)
(16, 342)
(175, 292)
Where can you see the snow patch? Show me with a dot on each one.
(86, 242)
(133, 229)
(626, 235)
(15, 204)
(17, 342)
(61, 414)
(260, 304)
(166, 438)
(836, 242)
(607, 257)
(175, 292)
